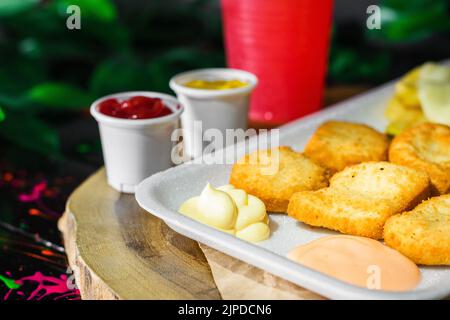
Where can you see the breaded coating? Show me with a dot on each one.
(425, 147)
(274, 182)
(361, 198)
(423, 234)
(339, 144)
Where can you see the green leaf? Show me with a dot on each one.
(17, 103)
(12, 7)
(30, 132)
(411, 21)
(164, 66)
(18, 74)
(350, 65)
(120, 74)
(59, 95)
(2, 114)
(102, 10)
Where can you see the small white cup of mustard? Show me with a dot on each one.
(213, 99)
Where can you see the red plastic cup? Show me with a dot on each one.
(285, 43)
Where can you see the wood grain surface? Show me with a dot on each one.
(118, 251)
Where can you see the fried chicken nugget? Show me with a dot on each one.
(423, 234)
(425, 147)
(361, 198)
(293, 172)
(338, 144)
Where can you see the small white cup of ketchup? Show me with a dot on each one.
(135, 131)
(218, 98)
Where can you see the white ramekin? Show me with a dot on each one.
(136, 149)
(218, 109)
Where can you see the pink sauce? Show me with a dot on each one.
(360, 261)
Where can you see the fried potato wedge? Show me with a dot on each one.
(338, 144)
(274, 175)
(434, 92)
(402, 117)
(361, 198)
(406, 89)
(425, 147)
(404, 109)
(423, 234)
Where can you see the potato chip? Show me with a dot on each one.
(434, 92)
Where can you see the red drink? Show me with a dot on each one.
(285, 43)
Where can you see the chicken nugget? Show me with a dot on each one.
(361, 198)
(338, 144)
(423, 234)
(274, 175)
(425, 147)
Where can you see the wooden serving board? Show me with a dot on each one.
(119, 251)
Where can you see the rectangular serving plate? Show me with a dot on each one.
(163, 193)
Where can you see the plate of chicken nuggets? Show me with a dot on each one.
(339, 172)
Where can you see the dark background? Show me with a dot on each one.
(49, 75)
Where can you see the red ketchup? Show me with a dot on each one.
(138, 107)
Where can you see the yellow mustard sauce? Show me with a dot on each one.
(215, 84)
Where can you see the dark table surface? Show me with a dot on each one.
(34, 188)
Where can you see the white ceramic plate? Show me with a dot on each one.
(162, 194)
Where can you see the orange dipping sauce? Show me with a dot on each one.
(360, 261)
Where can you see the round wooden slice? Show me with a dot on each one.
(119, 251)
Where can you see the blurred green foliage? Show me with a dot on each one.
(46, 68)
(348, 64)
(367, 53)
(412, 20)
